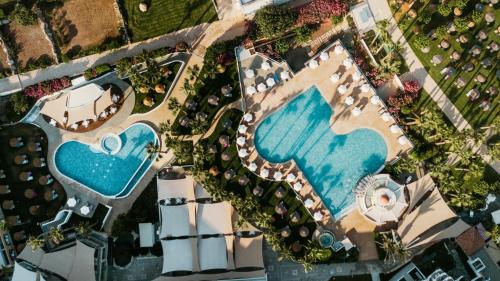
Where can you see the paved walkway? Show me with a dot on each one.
(382, 11)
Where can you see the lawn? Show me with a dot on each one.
(165, 16)
(30, 198)
(469, 109)
(82, 27)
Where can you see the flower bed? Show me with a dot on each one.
(48, 87)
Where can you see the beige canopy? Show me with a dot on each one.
(83, 264)
(201, 192)
(452, 231)
(33, 257)
(178, 220)
(418, 189)
(59, 262)
(176, 188)
(431, 212)
(77, 114)
(248, 252)
(179, 255)
(55, 108)
(214, 218)
(103, 102)
(212, 253)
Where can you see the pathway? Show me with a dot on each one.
(382, 11)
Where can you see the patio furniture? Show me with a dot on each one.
(45, 180)
(39, 162)
(279, 193)
(16, 142)
(258, 191)
(326, 239)
(356, 111)
(473, 94)
(21, 159)
(26, 176)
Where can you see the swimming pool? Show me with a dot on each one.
(113, 166)
(333, 164)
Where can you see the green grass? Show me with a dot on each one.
(165, 16)
(139, 107)
(469, 109)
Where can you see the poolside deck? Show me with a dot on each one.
(342, 122)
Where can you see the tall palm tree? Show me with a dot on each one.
(83, 228)
(494, 233)
(165, 127)
(55, 235)
(35, 243)
(394, 249)
(123, 67)
(153, 150)
(388, 67)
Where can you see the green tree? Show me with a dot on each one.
(422, 41)
(425, 17)
(444, 9)
(174, 105)
(303, 34)
(494, 233)
(165, 127)
(281, 46)
(22, 15)
(273, 21)
(388, 67)
(124, 67)
(441, 32)
(35, 243)
(315, 253)
(19, 103)
(460, 24)
(394, 249)
(83, 229)
(3, 225)
(55, 235)
(477, 16)
(154, 151)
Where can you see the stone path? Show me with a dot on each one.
(382, 11)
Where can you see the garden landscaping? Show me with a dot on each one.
(165, 16)
(457, 44)
(27, 196)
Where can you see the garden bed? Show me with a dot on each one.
(32, 49)
(83, 27)
(25, 195)
(165, 16)
(413, 29)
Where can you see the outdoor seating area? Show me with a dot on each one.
(29, 194)
(83, 109)
(200, 239)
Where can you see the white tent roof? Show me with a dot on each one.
(103, 102)
(248, 252)
(22, 274)
(175, 221)
(176, 188)
(83, 263)
(84, 95)
(59, 262)
(452, 231)
(212, 253)
(80, 113)
(178, 255)
(200, 192)
(55, 109)
(214, 218)
(417, 189)
(35, 258)
(146, 235)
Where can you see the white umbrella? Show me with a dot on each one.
(242, 129)
(356, 76)
(339, 49)
(242, 153)
(347, 63)
(342, 89)
(365, 88)
(252, 167)
(324, 56)
(251, 90)
(290, 177)
(85, 123)
(318, 216)
(74, 126)
(249, 73)
(71, 202)
(240, 141)
(308, 203)
(285, 75)
(335, 78)
(402, 140)
(395, 129)
(248, 117)
(278, 175)
(264, 173)
(349, 100)
(386, 116)
(375, 99)
(261, 87)
(53, 122)
(113, 110)
(270, 82)
(297, 186)
(313, 64)
(356, 111)
(85, 210)
(265, 65)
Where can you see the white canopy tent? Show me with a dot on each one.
(84, 95)
(176, 188)
(214, 218)
(212, 253)
(23, 274)
(55, 109)
(335, 78)
(175, 221)
(179, 255)
(248, 252)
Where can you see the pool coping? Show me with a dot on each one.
(128, 182)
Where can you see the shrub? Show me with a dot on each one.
(2, 14)
(477, 16)
(318, 10)
(337, 19)
(410, 93)
(47, 87)
(19, 103)
(303, 34)
(460, 3)
(281, 46)
(273, 21)
(441, 32)
(422, 41)
(425, 17)
(444, 10)
(411, 87)
(96, 71)
(22, 15)
(460, 24)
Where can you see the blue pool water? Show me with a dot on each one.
(332, 163)
(110, 175)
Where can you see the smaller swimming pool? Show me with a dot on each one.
(113, 166)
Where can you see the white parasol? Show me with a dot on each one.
(342, 89)
(285, 75)
(349, 100)
(252, 167)
(261, 87)
(365, 88)
(313, 64)
(339, 49)
(242, 129)
(248, 117)
(265, 65)
(324, 56)
(308, 203)
(85, 210)
(356, 111)
(290, 177)
(72, 202)
(335, 78)
(264, 173)
(375, 99)
(278, 175)
(242, 153)
(318, 216)
(386, 116)
(297, 186)
(402, 140)
(240, 141)
(270, 82)
(249, 73)
(395, 129)
(356, 75)
(347, 63)
(85, 123)
(251, 90)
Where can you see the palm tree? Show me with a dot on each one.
(174, 105)
(394, 249)
(83, 229)
(388, 67)
(193, 72)
(3, 225)
(153, 150)
(165, 127)
(123, 67)
(55, 235)
(494, 233)
(188, 88)
(35, 243)
(315, 253)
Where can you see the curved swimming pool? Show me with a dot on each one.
(333, 164)
(109, 174)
